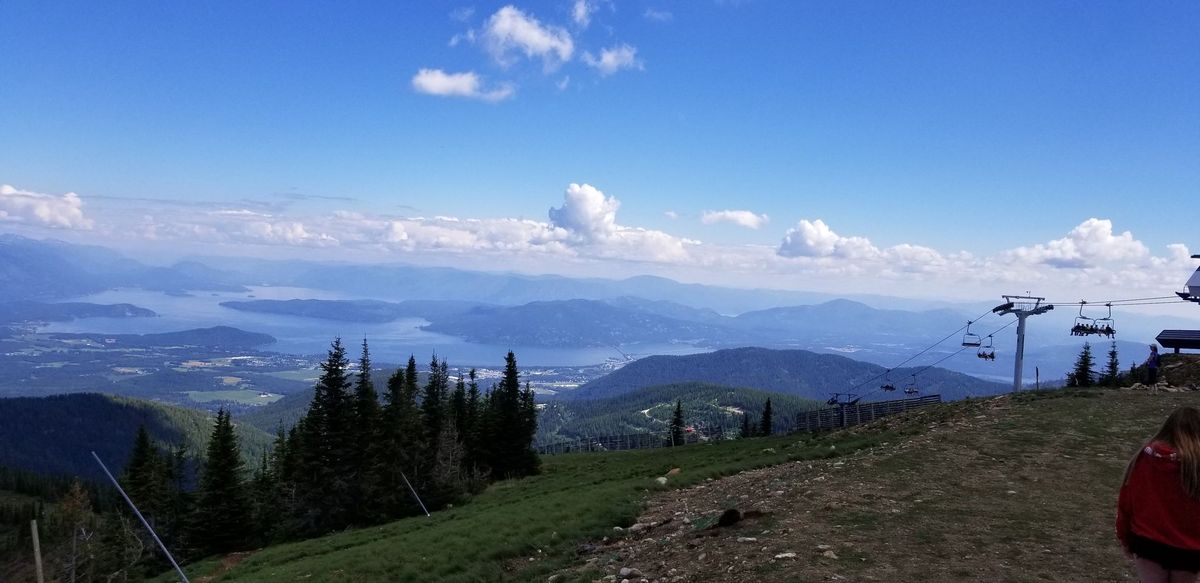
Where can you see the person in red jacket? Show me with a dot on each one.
(1158, 510)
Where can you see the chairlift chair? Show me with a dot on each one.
(987, 351)
(911, 388)
(969, 339)
(1106, 326)
(888, 385)
(1083, 325)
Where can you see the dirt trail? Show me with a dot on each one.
(1004, 489)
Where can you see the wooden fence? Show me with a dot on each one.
(850, 415)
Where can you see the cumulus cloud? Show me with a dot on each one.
(816, 239)
(46, 210)
(613, 59)
(1091, 243)
(657, 15)
(468, 85)
(586, 212)
(509, 33)
(742, 218)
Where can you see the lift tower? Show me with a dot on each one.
(1023, 307)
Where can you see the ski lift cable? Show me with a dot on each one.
(1102, 302)
(926, 349)
(941, 360)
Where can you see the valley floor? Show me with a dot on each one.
(1017, 488)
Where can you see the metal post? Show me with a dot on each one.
(1020, 360)
(1010, 307)
(414, 493)
(138, 513)
(37, 551)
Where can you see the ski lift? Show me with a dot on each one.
(987, 351)
(888, 385)
(969, 339)
(911, 388)
(1106, 326)
(1083, 324)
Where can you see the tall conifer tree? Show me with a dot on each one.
(222, 507)
(767, 425)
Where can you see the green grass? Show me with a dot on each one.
(522, 529)
(242, 396)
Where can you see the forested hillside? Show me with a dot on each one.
(56, 435)
(707, 407)
(795, 372)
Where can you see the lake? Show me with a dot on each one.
(390, 342)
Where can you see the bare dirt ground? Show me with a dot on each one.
(1006, 489)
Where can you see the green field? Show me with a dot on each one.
(241, 396)
(521, 529)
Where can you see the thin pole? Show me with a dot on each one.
(37, 551)
(137, 512)
(414, 493)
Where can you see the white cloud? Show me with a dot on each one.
(285, 232)
(657, 15)
(510, 31)
(816, 239)
(1090, 243)
(462, 13)
(47, 210)
(671, 215)
(581, 12)
(614, 59)
(742, 218)
(468, 85)
(586, 212)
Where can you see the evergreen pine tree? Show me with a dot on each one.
(145, 478)
(1084, 376)
(458, 407)
(1112, 369)
(326, 457)
(513, 422)
(767, 425)
(221, 502)
(677, 424)
(363, 482)
(401, 444)
(471, 429)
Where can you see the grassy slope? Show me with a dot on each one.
(577, 497)
(1004, 489)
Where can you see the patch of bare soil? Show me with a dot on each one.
(1003, 489)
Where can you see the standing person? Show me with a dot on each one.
(1158, 510)
(1152, 364)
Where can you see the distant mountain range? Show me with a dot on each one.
(48, 270)
(798, 373)
(56, 434)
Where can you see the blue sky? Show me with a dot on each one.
(951, 126)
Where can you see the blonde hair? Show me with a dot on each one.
(1181, 431)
